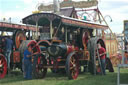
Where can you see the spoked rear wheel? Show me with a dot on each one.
(94, 64)
(39, 71)
(3, 66)
(72, 66)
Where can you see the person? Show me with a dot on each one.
(8, 50)
(119, 57)
(102, 53)
(2, 45)
(27, 64)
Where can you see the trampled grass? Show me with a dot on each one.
(16, 78)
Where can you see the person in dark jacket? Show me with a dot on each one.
(8, 49)
(27, 63)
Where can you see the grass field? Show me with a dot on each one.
(16, 78)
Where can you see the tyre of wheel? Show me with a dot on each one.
(38, 66)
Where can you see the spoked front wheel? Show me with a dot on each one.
(72, 66)
(39, 71)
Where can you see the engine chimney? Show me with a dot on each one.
(56, 6)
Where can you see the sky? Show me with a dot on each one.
(18, 9)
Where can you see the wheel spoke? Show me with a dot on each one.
(71, 62)
(74, 60)
(3, 63)
(71, 68)
(0, 61)
(72, 73)
(3, 67)
(40, 71)
(97, 63)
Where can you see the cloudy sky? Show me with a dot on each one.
(17, 9)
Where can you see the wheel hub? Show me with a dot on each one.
(40, 66)
(74, 65)
(1, 65)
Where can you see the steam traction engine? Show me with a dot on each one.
(18, 33)
(66, 44)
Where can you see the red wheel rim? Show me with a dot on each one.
(74, 67)
(38, 66)
(35, 45)
(3, 66)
